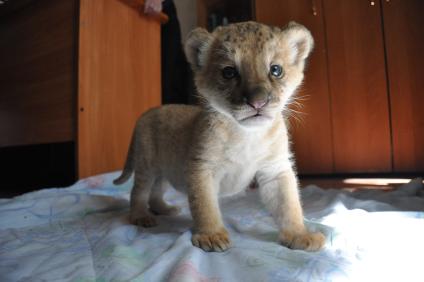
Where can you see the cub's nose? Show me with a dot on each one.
(257, 97)
(257, 104)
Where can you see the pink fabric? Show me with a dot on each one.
(153, 6)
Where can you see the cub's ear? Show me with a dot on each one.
(196, 45)
(300, 42)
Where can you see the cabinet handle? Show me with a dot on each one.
(314, 8)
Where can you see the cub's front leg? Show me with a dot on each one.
(209, 232)
(279, 193)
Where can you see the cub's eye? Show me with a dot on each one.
(276, 70)
(229, 72)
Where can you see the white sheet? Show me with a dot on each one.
(82, 233)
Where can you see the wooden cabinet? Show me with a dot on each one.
(79, 72)
(365, 78)
(118, 79)
(363, 92)
(358, 86)
(403, 23)
(37, 72)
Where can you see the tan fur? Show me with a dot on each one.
(218, 148)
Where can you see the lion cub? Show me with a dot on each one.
(246, 74)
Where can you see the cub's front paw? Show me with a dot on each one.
(302, 241)
(211, 241)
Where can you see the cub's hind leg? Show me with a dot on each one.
(157, 204)
(140, 194)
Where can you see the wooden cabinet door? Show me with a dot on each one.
(404, 33)
(358, 90)
(312, 136)
(119, 78)
(37, 72)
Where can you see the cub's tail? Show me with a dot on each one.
(129, 164)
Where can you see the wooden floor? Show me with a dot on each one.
(355, 183)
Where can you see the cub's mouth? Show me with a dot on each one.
(256, 117)
(247, 116)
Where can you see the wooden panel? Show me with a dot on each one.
(119, 78)
(403, 28)
(37, 73)
(360, 116)
(312, 135)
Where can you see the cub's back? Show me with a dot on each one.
(165, 133)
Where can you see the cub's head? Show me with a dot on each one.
(248, 71)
